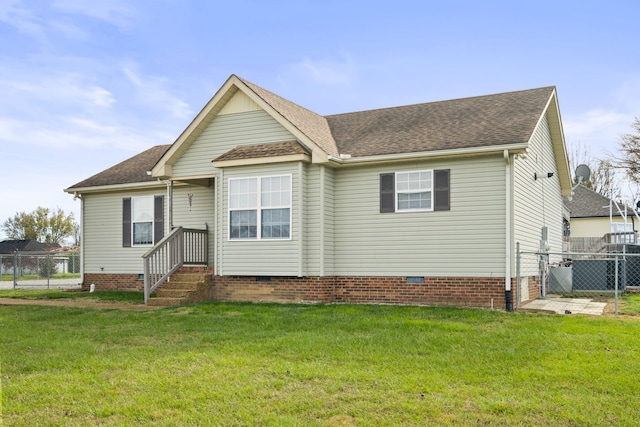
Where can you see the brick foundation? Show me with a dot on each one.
(451, 291)
(113, 282)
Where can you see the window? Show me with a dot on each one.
(142, 220)
(424, 190)
(414, 191)
(260, 208)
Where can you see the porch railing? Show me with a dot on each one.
(181, 246)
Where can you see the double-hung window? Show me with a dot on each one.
(410, 191)
(260, 208)
(142, 220)
(414, 191)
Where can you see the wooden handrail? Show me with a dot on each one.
(181, 246)
(161, 261)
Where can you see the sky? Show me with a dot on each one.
(85, 85)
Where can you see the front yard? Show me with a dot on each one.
(334, 365)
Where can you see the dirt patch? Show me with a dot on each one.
(79, 303)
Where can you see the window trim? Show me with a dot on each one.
(134, 222)
(397, 192)
(259, 209)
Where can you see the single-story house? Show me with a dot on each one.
(418, 204)
(597, 217)
(25, 245)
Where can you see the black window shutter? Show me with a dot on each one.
(387, 193)
(158, 218)
(441, 190)
(126, 222)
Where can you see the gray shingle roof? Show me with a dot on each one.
(263, 150)
(506, 118)
(586, 203)
(11, 246)
(129, 171)
(500, 119)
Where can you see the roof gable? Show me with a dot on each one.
(310, 128)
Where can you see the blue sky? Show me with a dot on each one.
(87, 84)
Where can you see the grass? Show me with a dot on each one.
(629, 304)
(9, 277)
(325, 365)
(123, 296)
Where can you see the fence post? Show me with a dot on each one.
(616, 291)
(48, 267)
(15, 269)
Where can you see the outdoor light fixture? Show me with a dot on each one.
(537, 175)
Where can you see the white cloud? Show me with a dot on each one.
(326, 72)
(13, 13)
(597, 130)
(116, 12)
(153, 94)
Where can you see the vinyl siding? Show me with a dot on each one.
(200, 213)
(537, 203)
(260, 257)
(467, 241)
(224, 133)
(595, 227)
(102, 233)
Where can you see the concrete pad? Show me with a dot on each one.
(562, 305)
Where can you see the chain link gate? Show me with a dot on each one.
(598, 276)
(40, 270)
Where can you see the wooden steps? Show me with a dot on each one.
(183, 289)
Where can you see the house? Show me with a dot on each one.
(25, 245)
(597, 220)
(419, 204)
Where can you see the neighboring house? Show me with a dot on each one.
(25, 245)
(596, 217)
(420, 204)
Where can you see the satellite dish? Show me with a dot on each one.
(583, 173)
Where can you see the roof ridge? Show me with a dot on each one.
(442, 101)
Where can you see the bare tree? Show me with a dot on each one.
(603, 178)
(629, 149)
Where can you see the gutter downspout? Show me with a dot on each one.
(321, 219)
(508, 219)
(301, 184)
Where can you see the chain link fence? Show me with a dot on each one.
(40, 270)
(600, 276)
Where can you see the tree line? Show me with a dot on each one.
(43, 225)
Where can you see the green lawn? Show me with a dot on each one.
(326, 365)
(124, 296)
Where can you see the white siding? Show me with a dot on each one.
(261, 257)
(466, 241)
(537, 203)
(102, 234)
(224, 133)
